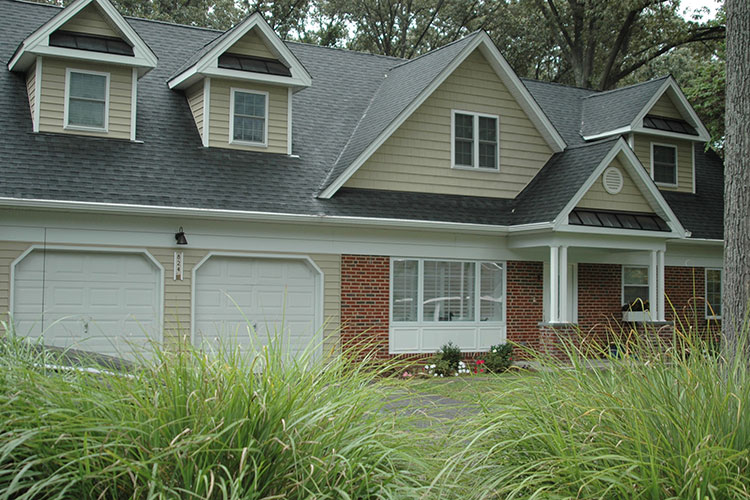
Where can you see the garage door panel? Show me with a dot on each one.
(92, 301)
(273, 294)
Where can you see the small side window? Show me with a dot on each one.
(249, 118)
(664, 164)
(635, 285)
(86, 103)
(713, 293)
(476, 141)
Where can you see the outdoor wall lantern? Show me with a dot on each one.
(180, 237)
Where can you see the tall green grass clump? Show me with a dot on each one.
(186, 425)
(655, 423)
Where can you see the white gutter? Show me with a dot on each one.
(251, 215)
(699, 241)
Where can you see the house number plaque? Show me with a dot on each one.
(178, 265)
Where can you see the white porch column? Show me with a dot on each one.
(563, 312)
(660, 290)
(553, 284)
(653, 286)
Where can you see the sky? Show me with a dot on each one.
(713, 5)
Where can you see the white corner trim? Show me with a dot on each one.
(639, 175)
(66, 103)
(134, 104)
(206, 110)
(676, 166)
(319, 284)
(504, 72)
(93, 249)
(209, 61)
(289, 122)
(266, 105)
(692, 153)
(38, 92)
(682, 104)
(38, 41)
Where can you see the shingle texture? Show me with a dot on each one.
(354, 97)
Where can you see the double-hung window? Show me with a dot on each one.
(476, 140)
(434, 291)
(635, 285)
(248, 122)
(664, 164)
(86, 100)
(713, 293)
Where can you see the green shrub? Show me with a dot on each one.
(499, 358)
(451, 354)
(185, 425)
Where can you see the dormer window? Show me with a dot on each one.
(86, 100)
(664, 164)
(249, 116)
(475, 141)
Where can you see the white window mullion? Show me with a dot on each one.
(420, 291)
(477, 290)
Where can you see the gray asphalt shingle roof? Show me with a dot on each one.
(349, 104)
(614, 109)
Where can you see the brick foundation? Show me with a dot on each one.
(525, 300)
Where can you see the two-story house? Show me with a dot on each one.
(167, 182)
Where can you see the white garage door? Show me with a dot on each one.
(277, 297)
(108, 303)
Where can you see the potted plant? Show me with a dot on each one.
(636, 311)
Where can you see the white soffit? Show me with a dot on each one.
(37, 44)
(208, 64)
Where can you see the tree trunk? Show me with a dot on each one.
(736, 294)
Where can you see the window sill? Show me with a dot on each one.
(249, 144)
(475, 169)
(77, 128)
(665, 185)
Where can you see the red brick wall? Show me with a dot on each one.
(685, 289)
(364, 303)
(525, 299)
(599, 300)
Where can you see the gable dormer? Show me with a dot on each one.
(239, 89)
(82, 69)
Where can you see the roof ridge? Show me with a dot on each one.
(557, 84)
(344, 49)
(434, 51)
(627, 87)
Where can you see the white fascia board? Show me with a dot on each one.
(208, 63)
(504, 72)
(670, 85)
(699, 241)
(640, 176)
(672, 135)
(248, 76)
(609, 133)
(38, 42)
(151, 210)
(522, 95)
(569, 228)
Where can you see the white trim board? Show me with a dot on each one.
(38, 42)
(208, 64)
(503, 71)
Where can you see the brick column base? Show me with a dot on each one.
(556, 338)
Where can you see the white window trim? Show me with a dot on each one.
(420, 293)
(232, 140)
(68, 126)
(705, 291)
(676, 166)
(622, 282)
(475, 156)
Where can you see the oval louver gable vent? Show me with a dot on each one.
(612, 180)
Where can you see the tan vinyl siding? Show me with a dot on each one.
(630, 199)
(31, 88)
(666, 108)
(251, 45)
(417, 157)
(684, 159)
(195, 100)
(52, 100)
(219, 111)
(178, 294)
(90, 20)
